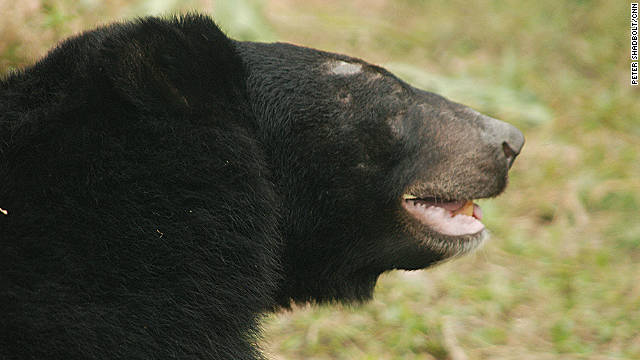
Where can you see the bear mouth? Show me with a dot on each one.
(447, 217)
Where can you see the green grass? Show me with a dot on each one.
(560, 277)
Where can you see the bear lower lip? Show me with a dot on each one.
(453, 218)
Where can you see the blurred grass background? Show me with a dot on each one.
(560, 277)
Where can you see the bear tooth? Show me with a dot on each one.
(466, 209)
(409, 197)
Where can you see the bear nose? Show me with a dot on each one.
(501, 134)
(512, 143)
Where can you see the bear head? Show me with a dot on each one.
(373, 174)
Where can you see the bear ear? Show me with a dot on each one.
(185, 63)
(139, 77)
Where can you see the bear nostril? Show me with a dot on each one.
(497, 133)
(509, 153)
(512, 144)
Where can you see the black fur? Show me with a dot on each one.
(165, 186)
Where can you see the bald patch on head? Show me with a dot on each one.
(343, 68)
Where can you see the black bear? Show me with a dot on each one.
(162, 186)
